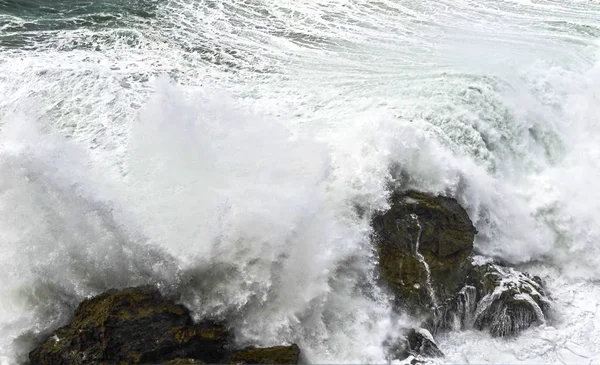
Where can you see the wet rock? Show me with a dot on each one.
(498, 299)
(416, 344)
(456, 313)
(421, 343)
(134, 325)
(510, 301)
(269, 355)
(423, 243)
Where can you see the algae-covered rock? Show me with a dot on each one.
(134, 325)
(269, 355)
(423, 243)
(510, 301)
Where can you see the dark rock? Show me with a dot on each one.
(421, 342)
(510, 301)
(425, 244)
(443, 233)
(269, 355)
(418, 343)
(134, 325)
(496, 298)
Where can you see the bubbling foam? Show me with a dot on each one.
(249, 212)
(63, 237)
(219, 203)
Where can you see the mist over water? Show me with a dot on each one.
(233, 153)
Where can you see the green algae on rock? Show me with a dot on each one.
(424, 245)
(134, 326)
(419, 236)
(269, 355)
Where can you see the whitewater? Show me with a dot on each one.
(233, 152)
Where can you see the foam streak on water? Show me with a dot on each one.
(220, 149)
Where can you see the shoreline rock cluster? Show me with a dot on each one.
(141, 326)
(425, 249)
(426, 259)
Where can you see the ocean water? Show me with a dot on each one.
(232, 152)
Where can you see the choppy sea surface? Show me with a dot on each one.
(233, 151)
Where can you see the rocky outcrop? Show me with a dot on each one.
(424, 244)
(510, 301)
(136, 326)
(495, 298)
(269, 355)
(417, 343)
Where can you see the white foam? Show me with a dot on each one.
(282, 123)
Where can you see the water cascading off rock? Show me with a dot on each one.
(443, 233)
(425, 249)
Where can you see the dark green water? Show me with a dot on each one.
(31, 23)
(74, 8)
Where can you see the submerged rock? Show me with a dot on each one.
(269, 355)
(135, 325)
(424, 244)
